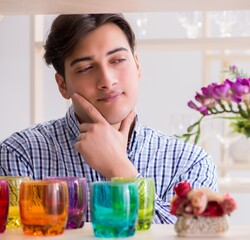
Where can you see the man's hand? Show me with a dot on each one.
(102, 146)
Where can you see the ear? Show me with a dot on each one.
(61, 83)
(137, 65)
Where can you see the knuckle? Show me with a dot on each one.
(79, 147)
(90, 109)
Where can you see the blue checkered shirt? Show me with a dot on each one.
(48, 150)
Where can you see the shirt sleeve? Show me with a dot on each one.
(162, 212)
(12, 163)
(202, 172)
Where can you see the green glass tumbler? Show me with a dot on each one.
(114, 209)
(146, 192)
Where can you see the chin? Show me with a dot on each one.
(113, 119)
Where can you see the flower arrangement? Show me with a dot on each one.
(229, 100)
(204, 202)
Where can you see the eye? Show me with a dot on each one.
(120, 60)
(83, 69)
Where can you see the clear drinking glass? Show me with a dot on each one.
(14, 182)
(4, 204)
(114, 209)
(43, 207)
(78, 195)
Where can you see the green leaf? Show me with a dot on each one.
(242, 112)
(197, 137)
(187, 138)
(190, 128)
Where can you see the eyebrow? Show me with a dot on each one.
(89, 58)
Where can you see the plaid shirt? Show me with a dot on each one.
(48, 150)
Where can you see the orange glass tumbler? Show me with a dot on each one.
(43, 207)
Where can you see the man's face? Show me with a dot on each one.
(103, 69)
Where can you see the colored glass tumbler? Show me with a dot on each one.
(114, 208)
(4, 204)
(78, 196)
(14, 182)
(43, 207)
(146, 192)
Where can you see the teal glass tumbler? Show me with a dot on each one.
(114, 209)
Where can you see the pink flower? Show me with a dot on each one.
(228, 204)
(180, 206)
(198, 201)
(213, 209)
(182, 189)
(175, 205)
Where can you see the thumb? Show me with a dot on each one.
(126, 123)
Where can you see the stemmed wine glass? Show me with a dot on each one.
(142, 23)
(223, 132)
(192, 22)
(225, 20)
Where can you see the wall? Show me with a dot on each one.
(14, 68)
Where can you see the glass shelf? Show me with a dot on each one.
(21, 7)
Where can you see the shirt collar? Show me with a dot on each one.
(132, 140)
(72, 122)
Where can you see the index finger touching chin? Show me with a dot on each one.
(83, 102)
(89, 108)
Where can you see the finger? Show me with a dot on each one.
(84, 127)
(91, 111)
(126, 123)
(80, 137)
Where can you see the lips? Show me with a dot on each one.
(110, 97)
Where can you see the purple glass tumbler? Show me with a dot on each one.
(4, 204)
(78, 195)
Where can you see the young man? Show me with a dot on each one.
(100, 136)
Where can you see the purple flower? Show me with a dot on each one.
(209, 90)
(203, 109)
(229, 97)
(199, 97)
(241, 86)
(233, 68)
(222, 91)
(191, 104)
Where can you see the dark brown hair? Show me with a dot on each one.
(67, 30)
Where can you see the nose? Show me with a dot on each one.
(106, 79)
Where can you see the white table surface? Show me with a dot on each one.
(156, 232)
